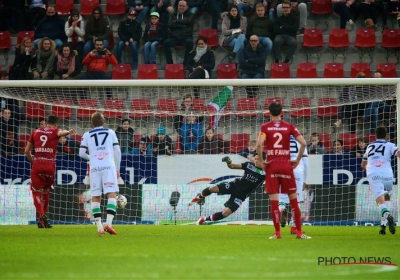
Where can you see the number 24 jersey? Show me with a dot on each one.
(378, 156)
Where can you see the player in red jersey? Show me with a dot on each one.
(44, 141)
(279, 169)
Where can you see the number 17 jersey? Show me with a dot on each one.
(100, 144)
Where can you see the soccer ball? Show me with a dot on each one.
(121, 201)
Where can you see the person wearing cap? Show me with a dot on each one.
(143, 149)
(154, 35)
(75, 31)
(142, 7)
(162, 143)
(161, 7)
(129, 32)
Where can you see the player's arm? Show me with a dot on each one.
(65, 132)
(82, 153)
(231, 165)
(28, 149)
(303, 145)
(305, 165)
(364, 161)
(117, 156)
(259, 147)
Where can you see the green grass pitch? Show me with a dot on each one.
(193, 252)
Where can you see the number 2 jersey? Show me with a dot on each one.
(45, 141)
(378, 156)
(100, 144)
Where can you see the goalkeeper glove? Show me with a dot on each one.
(227, 160)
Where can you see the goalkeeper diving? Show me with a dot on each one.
(239, 189)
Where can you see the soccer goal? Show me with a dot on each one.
(339, 112)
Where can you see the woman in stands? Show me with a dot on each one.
(25, 59)
(45, 59)
(75, 31)
(66, 64)
(97, 27)
(211, 144)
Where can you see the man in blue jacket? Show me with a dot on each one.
(51, 26)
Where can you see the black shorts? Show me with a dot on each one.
(236, 199)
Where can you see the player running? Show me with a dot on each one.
(105, 159)
(239, 189)
(44, 141)
(279, 168)
(377, 163)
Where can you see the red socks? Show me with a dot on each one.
(296, 214)
(46, 201)
(37, 201)
(276, 216)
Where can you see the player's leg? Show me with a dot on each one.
(272, 187)
(231, 205)
(392, 227)
(378, 189)
(299, 176)
(95, 192)
(283, 202)
(204, 193)
(111, 190)
(37, 184)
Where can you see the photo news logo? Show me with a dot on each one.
(328, 261)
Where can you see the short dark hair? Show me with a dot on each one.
(275, 109)
(381, 132)
(126, 120)
(52, 120)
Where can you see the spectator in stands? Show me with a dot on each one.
(285, 29)
(4, 76)
(345, 8)
(7, 123)
(211, 144)
(338, 148)
(51, 26)
(68, 146)
(144, 148)
(45, 56)
(298, 8)
(360, 148)
(97, 28)
(263, 27)
(252, 59)
(129, 32)
(162, 143)
(186, 107)
(391, 7)
(10, 145)
(12, 15)
(35, 13)
(233, 32)
(154, 35)
(216, 8)
(194, 6)
(369, 11)
(315, 146)
(200, 63)
(180, 32)
(25, 61)
(161, 7)
(66, 64)
(250, 151)
(126, 135)
(75, 31)
(245, 6)
(142, 8)
(191, 134)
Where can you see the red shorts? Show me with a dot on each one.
(280, 177)
(42, 174)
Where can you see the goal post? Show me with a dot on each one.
(337, 192)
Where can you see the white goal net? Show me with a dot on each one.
(339, 112)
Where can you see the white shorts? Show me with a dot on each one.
(380, 183)
(299, 176)
(103, 180)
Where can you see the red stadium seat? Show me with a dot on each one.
(388, 70)
(137, 139)
(313, 42)
(87, 6)
(371, 138)
(239, 142)
(365, 42)
(280, 71)
(174, 71)
(358, 67)
(306, 70)
(87, 107)
(301, 107)
(35, 110)
(325, 139)
(339, 42)
(64, 7)
(268, 101)
(23, 140)
(391, 42)
(122, 72)
(22, 34)
(111, 41)
(62, 108)
(246, 107)
(211, 36)
(333, 70)
(76, 137)
(327, 107)
(114, 108)
(5, 44)
(349, 140)
(166, 107)
(147, 71)
(319, 9)
(141, 108)
(227, 71)
(115, 7)
(198, 105)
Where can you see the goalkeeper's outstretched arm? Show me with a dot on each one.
(231, 165)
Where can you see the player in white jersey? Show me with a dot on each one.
(377, 163)
(105, 160)
(300, 174)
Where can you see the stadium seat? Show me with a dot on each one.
(365, 42)
(239, 141)
(35, 110)
(198, 105)
(166, 107)
(114, 108)
(313, 42)
(22, 34)
(141, 108)
(87, 6)
(122, 72)
(5, 45)
(76, 137)
(62, 108)
(86, 108)
(325, 139)
(280, 71)
(268, 101)
(211, 36)
(111, 41)
(301, 107)
(349, 139)
(371, 138)
(327, 109)
(339, 42)
(23, 140)
(137, 139)
(147, 71)
(388, 70)
(174, 71)
(321, 9)
(115, 7)
(246, 107)
(64, 7)
(391, 42)
(358, 67)
(227, 71)
(333, 70)
(306, 70)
